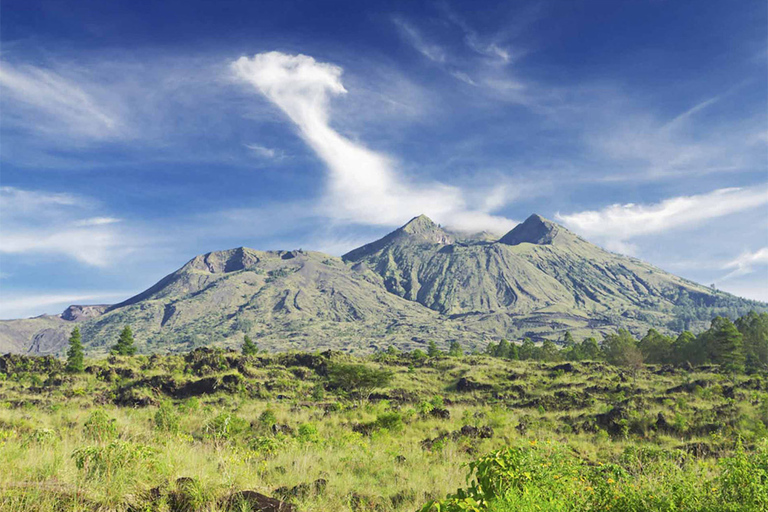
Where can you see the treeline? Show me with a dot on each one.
(735, 346)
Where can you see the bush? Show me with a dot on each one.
(267, 418)
(100, 427)
(105, 460)
(308, 433)
(391, 421)
(167, 419)
(551, 478)
(224, 427)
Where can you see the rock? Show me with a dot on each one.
(613, 421)
(567, 368)
(662, 425)
(256, 502)
(277, 428)
(439, 413)
(303, 490)
(464, 384)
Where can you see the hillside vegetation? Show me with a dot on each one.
(417, 284)
(218, 430)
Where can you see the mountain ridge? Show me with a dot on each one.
(417, 284)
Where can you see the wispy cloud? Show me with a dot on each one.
(55, 223)
(49, 102)
(432, 51)
(617, 224)
(746, 262)
(265, 152)
(364, 186)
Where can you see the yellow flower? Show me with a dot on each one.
(611, 481)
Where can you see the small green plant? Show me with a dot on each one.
(100, 427)
(167, 419)
(224, 427)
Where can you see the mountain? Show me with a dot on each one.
(419, 283)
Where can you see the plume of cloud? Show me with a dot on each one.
(55, 223)
(364, 185)
(615, 225)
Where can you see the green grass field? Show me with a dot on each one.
(191, 432)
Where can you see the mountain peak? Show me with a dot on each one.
(537, 230)
(419, 225)
(421, 229)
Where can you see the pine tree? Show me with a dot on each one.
(568, 340)
(726, 345)
(432, 350)
(249, 347)
(75, 352)
(455, 349)
(124, 346)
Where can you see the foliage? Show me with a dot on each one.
(528, 478)
(167, 419)
(75, 352)
(358, 378)
(249, 347)
(125, 343)
(100, 427)
(105, 460)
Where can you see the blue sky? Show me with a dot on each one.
(136, 135)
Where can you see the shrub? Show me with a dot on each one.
(100, 427)
(105, 460)
(166, 418)
(308, 433)
(267, 418)
(391, 421)
(224, 427)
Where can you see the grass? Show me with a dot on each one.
(122, 437)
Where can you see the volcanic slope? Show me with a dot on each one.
(417, 284)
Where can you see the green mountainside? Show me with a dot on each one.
(417, 284)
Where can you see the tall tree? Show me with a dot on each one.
(455, 349)
(655, 347)
(125, 343)
(75, 352)
(621, 349)
(754, 329)
(432, 350)
(249, 347)
(726, 345)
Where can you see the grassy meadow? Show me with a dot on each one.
(210, 429)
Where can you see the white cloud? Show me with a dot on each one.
(46, 101)
(615, 225)
(431, 51)
(746, 262)
(55, 223)
(265, 152)
(364, 186)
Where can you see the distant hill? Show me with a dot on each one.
(417, 284)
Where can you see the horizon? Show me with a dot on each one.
(136, 137)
